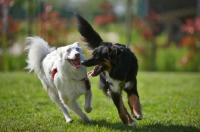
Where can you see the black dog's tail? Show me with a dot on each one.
(85, 29)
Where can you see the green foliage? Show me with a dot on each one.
(13, 62)
(170, 103)
(168, 58)
(172, 59)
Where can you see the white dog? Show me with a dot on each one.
(61, 74)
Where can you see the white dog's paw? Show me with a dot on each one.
(88, 109)
(69, 120)
(133, 124)
(86, 119)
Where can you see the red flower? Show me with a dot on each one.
(148, 34)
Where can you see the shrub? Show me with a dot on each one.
(13, 62)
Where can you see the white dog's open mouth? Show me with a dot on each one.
(75, 63)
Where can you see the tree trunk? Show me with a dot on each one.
(29, 17)
(128, 21)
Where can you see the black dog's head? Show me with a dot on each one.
(103, 58)
(116, 59)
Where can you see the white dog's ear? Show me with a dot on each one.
(59, 52)
(76, 44)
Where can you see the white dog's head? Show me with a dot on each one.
(72, 53)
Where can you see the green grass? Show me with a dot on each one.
(171, 102)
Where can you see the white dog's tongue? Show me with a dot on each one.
(75, 63)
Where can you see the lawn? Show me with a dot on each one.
(171, 103)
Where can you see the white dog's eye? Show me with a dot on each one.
(77, 49)
(68, 50)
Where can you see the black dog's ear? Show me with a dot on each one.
(114, 51)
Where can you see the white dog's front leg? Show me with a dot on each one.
(88, 98)
(73, 105)
(54, 96)
(66, 114)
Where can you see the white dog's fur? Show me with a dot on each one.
(68, 82)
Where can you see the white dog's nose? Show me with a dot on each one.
(77, 55)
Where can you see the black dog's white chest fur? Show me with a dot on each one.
(115, 84)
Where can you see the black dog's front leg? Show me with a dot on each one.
(133, 100)
(122, 111)
(117, 100)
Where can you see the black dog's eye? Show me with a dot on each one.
(94, 53)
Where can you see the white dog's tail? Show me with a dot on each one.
(37, 49)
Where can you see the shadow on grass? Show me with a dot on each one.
(153, 127)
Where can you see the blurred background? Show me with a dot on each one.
(164, 34)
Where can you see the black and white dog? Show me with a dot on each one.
(61, 74)
(117, 67)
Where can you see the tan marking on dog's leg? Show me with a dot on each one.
(131, 107)
(134, 103)
(124, 115)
